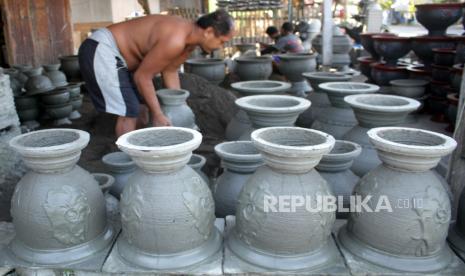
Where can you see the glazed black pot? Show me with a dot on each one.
(438, 17)
(391, 48)
(383, 74)
(365, 67)
(367, 42)
(419, 72)
(440, 73)
(423, 46)
(444, 57)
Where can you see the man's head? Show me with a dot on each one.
(287, 28)
(272, 32)
(218, 28)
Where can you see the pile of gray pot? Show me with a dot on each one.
(342, 45)
(44, 92)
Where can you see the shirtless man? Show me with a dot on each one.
(118, 63)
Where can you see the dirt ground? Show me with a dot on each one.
(212, 105)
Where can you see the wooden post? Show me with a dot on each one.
(456, 171)
(327, 35)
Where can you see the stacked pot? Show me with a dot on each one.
(365, 61)
(292, 66)
(342, 45)
(212, 69)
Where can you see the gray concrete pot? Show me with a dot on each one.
(239, 160)
(76, 103)
(58, 96)
(174, 106)
(317, 97)
(285, 241)
(271, 110)
(25, 102)
(59, 113)
(334, 167)
(121, 167)
(70, 66)
(68, 210)
(57, 77)
(240, 123)
(105, 182)
(166, 199)
(338, 119)
(410, 88)
(197, 162)
(74, 90)
(253, 68)
(15, 83)
(438, 17)
(411, 238)
(22, 68)
(37, 83)
(375, 111)
(391, 48)
(212, 69)
(292, 66)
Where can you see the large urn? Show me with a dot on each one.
(267, 236)
(405, 226)
(375, 111)
(167, 209)
(58, 208)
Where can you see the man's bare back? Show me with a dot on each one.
(135, 38)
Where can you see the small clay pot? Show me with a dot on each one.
(57, 97)
(121, 167)
(411, 88)
(440, 73)
(70, 66)
(438, 17)
(444, 57)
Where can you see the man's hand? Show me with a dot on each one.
(160, 121)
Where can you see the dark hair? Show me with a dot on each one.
(220, 20)
(287, 26)
(271, 30)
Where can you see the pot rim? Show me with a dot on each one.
(220, 150)
(205, 61)
(369, 88)
(443, 149)
(426, 38)
(326, 76)
(159, 151)
(391, 38)
(280, 88)
(411, 104)
(440, 5)
(109, 181)
(371, 34)
(383, 67)
(294, 56)
(255, 59)
(301, 104)
(77, 144)
(355, 151)
(409, 82)
(106, 159)
(168, 93)
(200, 163)
(449, 51)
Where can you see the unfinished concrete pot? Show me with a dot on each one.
(411, 237)
(22, 68)
(57, 77)
(271, 110)
(317, 97)
(375, 111)
(105, 182)
(174, 106)
(76, 103)
(277, 240)
(212, 69)
(253, 68)
(15, 84)
(292, 66)
(68, 222)
(411, 88)
(167, 210)
(197, 162)
(59, 113)
(334, 167)
(37, 83)
(338, 119)
(58, 96)
(240, 123)
(239, 159)
(70, 66)
(121, 167)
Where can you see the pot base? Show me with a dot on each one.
(75, 115)
(31, 125)
(90, 255)
(62, 121)
(184, 260)
(325, 257)
(428, 264)
(300, 89)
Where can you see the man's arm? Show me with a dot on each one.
(156, 60)
(170, 73)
